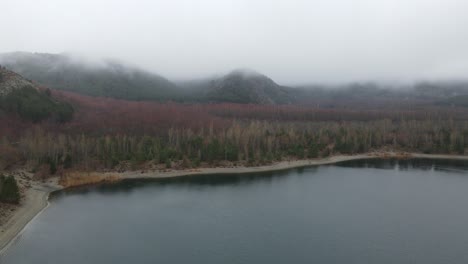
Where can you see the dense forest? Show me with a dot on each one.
(34, 105)
(51, 131)
(111, 134)
(23, 98)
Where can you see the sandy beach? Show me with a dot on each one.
(36, 197)
(283, 165)
(35, 200)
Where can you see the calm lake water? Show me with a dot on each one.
(354, 212)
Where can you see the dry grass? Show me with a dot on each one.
(73, 179)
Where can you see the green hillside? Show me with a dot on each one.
(105, 78)
(22, 97)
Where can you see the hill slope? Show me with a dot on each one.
(105, 78)
(19, 96)
(116, 80)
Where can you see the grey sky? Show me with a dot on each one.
(291, 41)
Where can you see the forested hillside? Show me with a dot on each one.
(50, 131)
(247, 86)
(30, 102)
(116, 80)
(104, 78)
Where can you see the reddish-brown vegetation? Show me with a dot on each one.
(107, 132)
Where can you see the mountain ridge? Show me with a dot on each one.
(114, 79)
(107, 78)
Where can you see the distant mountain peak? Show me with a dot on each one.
(245, 73)
(247, 86)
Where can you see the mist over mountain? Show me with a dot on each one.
(103, 78)
(110, 78)
(247, 86)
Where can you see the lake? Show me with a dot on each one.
(368, 211)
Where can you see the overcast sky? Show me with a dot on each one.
(291, 41)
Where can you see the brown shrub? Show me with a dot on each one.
(73, 179)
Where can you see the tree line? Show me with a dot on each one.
(243, 142)
(111, 134)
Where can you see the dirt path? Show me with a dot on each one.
(35, 200)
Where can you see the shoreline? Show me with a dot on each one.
(37, 198)
(278, 166)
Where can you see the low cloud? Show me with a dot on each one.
(291, 41)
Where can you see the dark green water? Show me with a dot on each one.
(355, 212)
